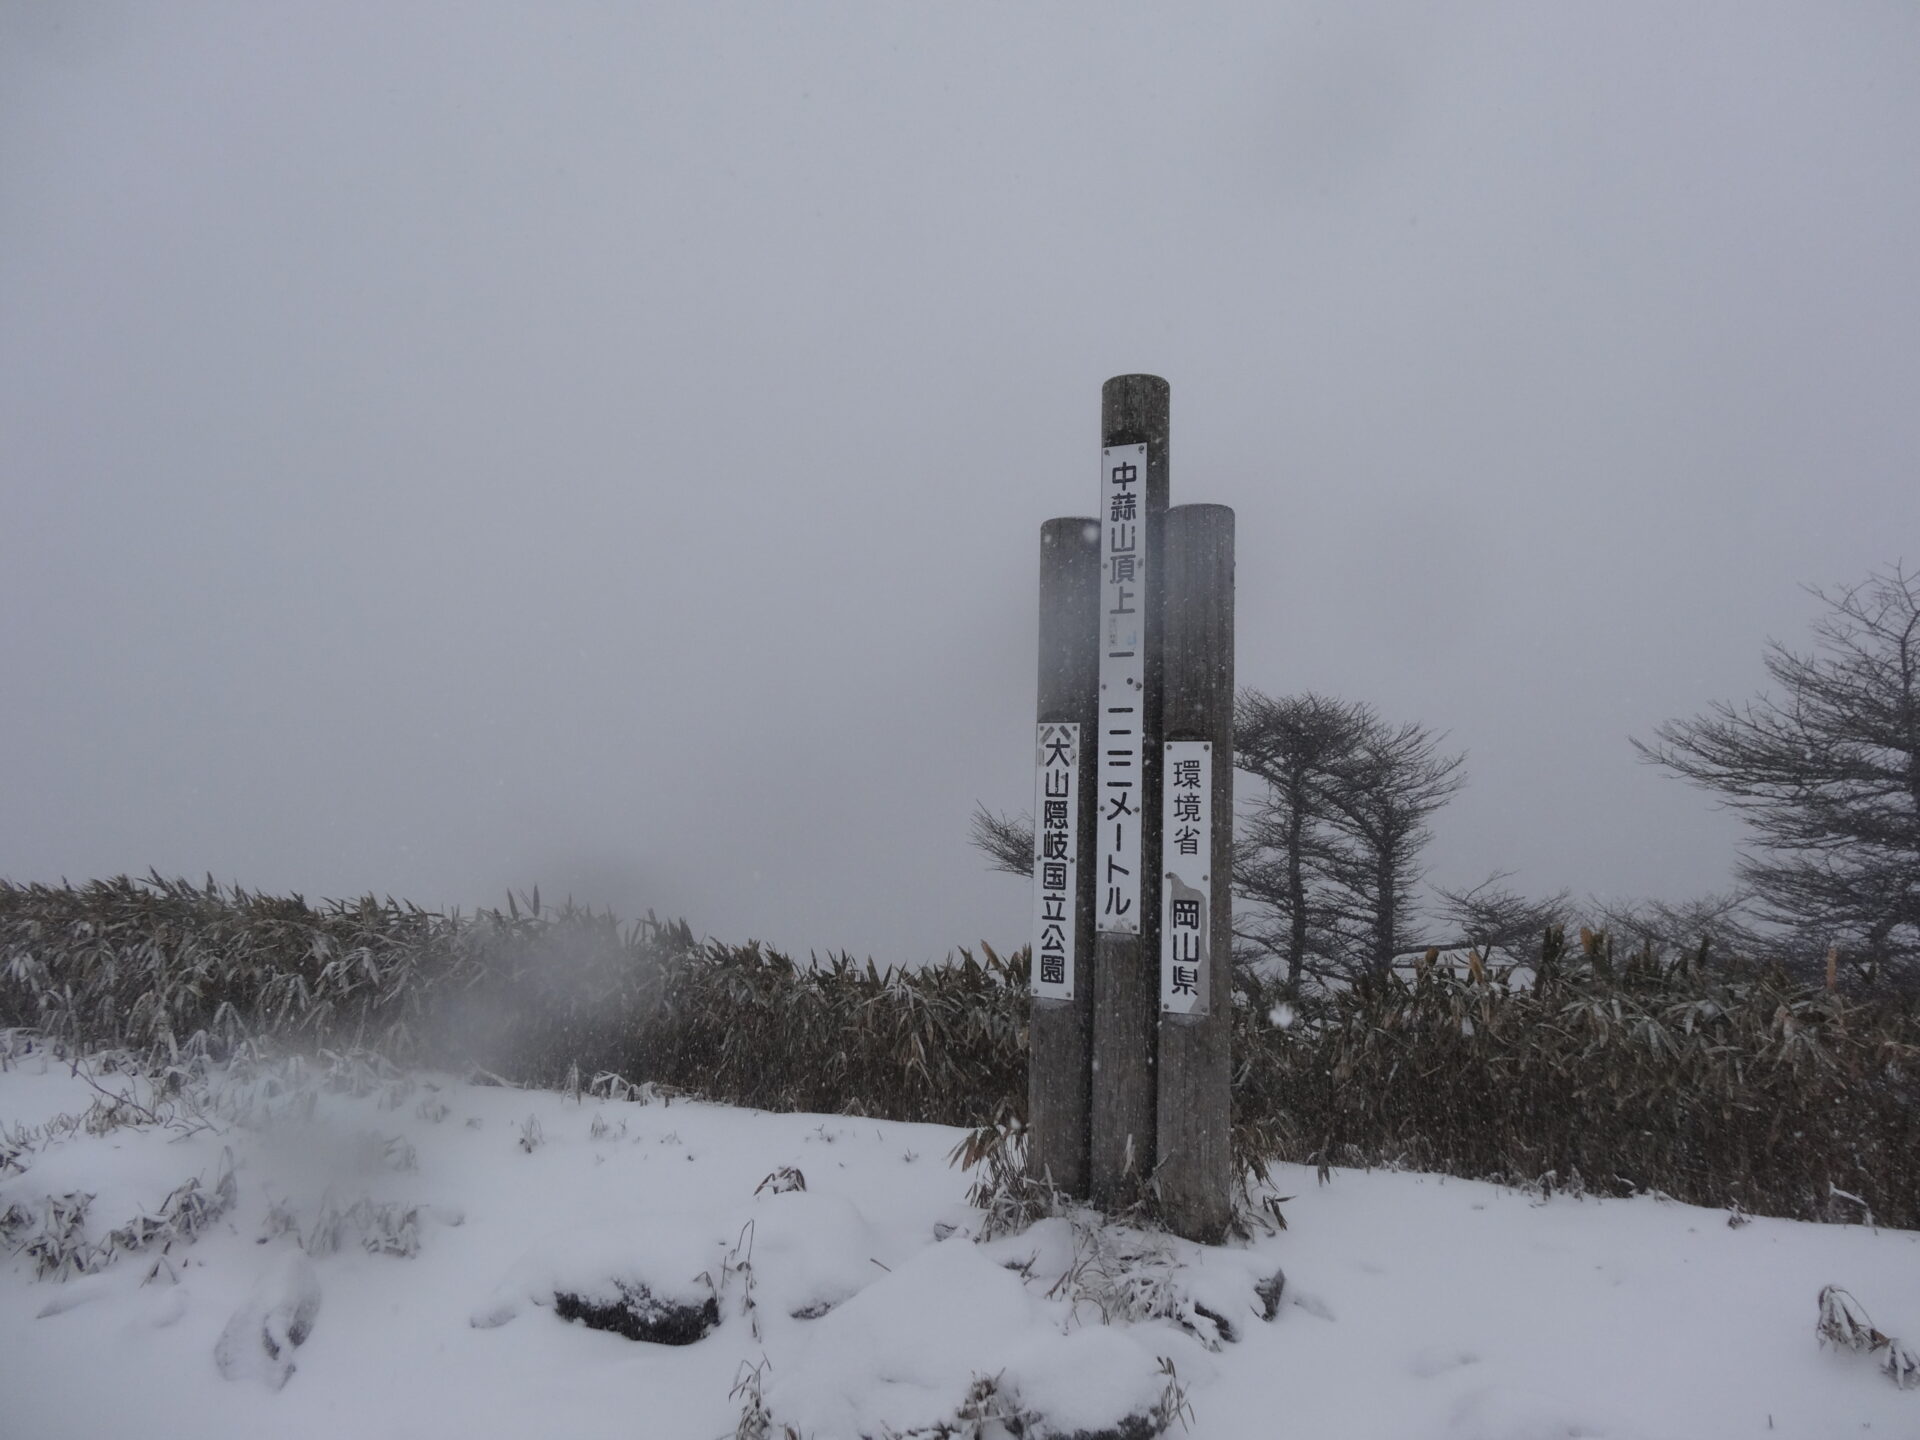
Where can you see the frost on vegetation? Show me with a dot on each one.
(1544, 1187)
(260, 1088)
(16, 1043)
(1120, 1275)
(190, 1209)
(736, 1276)
(1062, 1331)
(954, 1344)
(56, 1237)
(380, 1227)
(432, 1110)
(756, 1420)
(993, 1408)
(609, 1086)
(1704, 1064)
(256, 1091)
(1011, 1198)
(333, 1223)
(1008, 1197)
(176, 1103)
(397, 1152)
(58, 1243)
(782, 1181)
(1844, 1325)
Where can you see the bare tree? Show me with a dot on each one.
(1006, 841)
(1288, 855)
(1828, 777)
(1490, 917)
(1330, 859)
(1720, 925)
(1380, 798)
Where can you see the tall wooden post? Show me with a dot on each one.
(1059, 1034)
(1195, 1174)
(1133, 412)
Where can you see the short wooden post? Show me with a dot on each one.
(1059, 1033)
(1133, 411)
(1195, 1161)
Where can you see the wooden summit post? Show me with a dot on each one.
(1129, 1068)
(1134, 479)
(1059, 1031)
(1195, 1162)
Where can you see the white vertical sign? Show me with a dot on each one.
(1186, 893)
(1123, 669)
(1056, 859)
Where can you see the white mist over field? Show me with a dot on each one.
(448, 448)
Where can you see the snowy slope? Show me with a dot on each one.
(1414, 1306)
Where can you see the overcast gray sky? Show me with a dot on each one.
(446, 447)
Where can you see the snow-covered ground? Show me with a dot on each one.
(1413, 1306)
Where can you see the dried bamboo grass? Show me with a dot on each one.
(1609, 1074)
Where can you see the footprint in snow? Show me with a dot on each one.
(1313, 1305)
(1439, 1359)
(276, 1319)
(165, 1310)
(1500, 1412)
(75, 1293)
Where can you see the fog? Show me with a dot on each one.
(446, 448)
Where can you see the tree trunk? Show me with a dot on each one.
(1296, 890)
(1385, 920)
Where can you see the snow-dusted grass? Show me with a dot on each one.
(1597, 1068)
(1414, 1305)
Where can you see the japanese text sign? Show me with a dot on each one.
(1123, 668)
(1186, 893)
(1056, 859)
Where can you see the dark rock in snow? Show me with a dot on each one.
(636, 1312)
